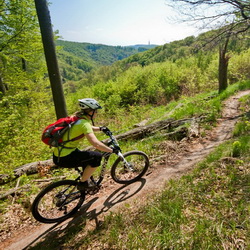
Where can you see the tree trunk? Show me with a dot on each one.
(24, 64)
(223, 66)
(51, 59)
(2, 86)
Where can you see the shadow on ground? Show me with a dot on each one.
(60, 233)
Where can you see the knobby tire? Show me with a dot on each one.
(139, 165)
(57, 202)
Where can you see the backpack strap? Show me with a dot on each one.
(76, 138)
(62, 146)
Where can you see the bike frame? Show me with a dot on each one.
(104, 166)
(63, 205)
(106, 156)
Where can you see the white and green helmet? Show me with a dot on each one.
(89, 103)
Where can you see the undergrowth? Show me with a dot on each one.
(205, 209)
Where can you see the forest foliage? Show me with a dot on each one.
(147, 79)
(76, 58)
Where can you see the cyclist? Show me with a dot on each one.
(70, 156)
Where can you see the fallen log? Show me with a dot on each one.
(32, 168)
(18, 190)
(134, 134)
(143, 131)
(28, 169)
(14, 191)
(50, 179)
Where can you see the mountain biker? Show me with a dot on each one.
(70, 156)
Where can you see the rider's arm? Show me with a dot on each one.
(97, 144)
(95, 128)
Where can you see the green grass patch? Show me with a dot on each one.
(207, 209)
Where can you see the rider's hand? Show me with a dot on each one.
(116, 149)
(104, 129)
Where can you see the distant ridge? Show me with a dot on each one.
(148, 46)
(142, 47)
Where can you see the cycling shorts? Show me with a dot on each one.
(79, 158)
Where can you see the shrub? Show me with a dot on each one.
(236, 149)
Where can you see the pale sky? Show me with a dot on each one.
(116, 22)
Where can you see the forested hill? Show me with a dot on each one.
(184, 48)
(76, 58)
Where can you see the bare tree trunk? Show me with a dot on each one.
(51, 59)
(24, 64)
(2, 86)
(223, 66)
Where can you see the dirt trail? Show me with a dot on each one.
(114, 195)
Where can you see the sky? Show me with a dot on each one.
(116, 22)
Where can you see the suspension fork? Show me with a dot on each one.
(106, 158)
(126, 163)
(122, 157)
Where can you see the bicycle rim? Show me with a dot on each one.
(138, 165)
(57, 202)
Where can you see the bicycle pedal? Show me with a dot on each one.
(93, 191)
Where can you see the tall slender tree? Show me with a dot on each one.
(50, 55)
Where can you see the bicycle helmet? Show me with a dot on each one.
(89, 103)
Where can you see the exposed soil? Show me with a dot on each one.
(178, 159)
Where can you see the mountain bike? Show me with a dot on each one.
(62, 199)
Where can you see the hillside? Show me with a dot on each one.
(184, 48)
(76, 58)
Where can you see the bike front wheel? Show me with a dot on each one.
(57, 202)
(132, 169)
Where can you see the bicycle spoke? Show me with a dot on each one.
(57, 202)
(136, 166)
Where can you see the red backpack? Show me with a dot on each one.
(53, 133)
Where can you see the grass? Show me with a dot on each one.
(206, 209)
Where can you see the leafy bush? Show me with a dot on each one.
(236, 149)
(239, 67)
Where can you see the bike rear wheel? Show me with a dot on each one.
(138, 164)
(57, 202)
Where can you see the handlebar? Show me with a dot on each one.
(115, 143)
(113, 140)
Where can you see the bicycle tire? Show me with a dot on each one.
(57, 202)
(139, 165)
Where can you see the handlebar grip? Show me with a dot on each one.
(113, 141)
(108, 133)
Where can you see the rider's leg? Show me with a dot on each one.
(85, 182)
(88, 171)
(90, 159)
